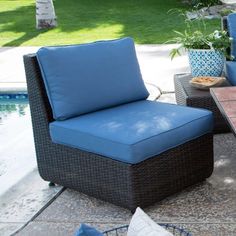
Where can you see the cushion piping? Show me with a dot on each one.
(114, 141)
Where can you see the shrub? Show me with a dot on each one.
(203, 3)
(226, 12)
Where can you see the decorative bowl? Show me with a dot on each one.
(206, 82)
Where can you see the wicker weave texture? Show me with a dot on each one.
(120, 183)
(188, 96)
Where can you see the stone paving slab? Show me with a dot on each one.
(16, 136)
(73, 206)
(11, 63)
(206, 208)
(12, 87)
(7, 229)
(21, 202)
(28, 197)
(156, 65)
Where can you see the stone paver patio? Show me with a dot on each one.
(208, 208)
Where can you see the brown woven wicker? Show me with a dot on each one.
(120, 183)
(189, 96)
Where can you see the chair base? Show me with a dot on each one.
(120, 183)
(125, 184)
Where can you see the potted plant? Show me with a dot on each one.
(206, 52)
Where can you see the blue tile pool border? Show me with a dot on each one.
(15, 96)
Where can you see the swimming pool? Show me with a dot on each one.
(12, 104)
(17, 155)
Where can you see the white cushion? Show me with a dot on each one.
(142, 225)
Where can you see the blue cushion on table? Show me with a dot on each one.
(231, 20)
(133, 132)
(231, 72)
(88, 77)
(86, 230)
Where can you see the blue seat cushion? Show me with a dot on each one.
(133, 132)
(231, 72)
(231, 20)
(84, 78)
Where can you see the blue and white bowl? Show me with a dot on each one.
(206, 62)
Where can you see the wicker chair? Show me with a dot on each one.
(228, 24)
(123, 184)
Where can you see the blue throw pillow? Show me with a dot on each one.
(231, 19)
(86, 230)
(84, 78)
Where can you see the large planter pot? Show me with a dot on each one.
(206, 62)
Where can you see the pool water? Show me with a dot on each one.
(17, 154)
(13, 108)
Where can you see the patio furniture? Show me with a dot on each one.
(95, 132)
(122, 230)
(229, 24)
(225, 99)
(187, 95)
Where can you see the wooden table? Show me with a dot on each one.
(225, 99)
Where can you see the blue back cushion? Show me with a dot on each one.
(84, 78)
(231, 72)
(231, 19)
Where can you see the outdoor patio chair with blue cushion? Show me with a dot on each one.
(95, 131)
(230, 26)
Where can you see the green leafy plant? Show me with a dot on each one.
(218, 40)
(197, 36)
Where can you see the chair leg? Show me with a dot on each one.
(51, 184)
(132, 211)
